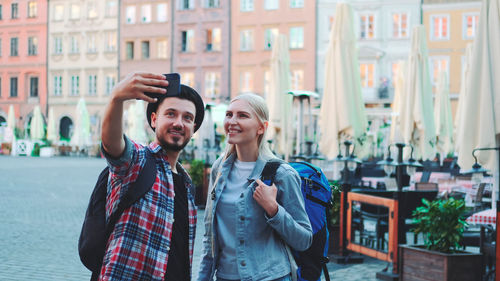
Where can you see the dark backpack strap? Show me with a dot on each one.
(269, 171)
(136, 190)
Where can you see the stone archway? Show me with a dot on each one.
(65, 128)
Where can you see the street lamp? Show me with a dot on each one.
(388, 163)
(477, 170)
(411, 164)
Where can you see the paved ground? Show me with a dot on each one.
(42, 205)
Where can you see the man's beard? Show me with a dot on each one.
(172, 146)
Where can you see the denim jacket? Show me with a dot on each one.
(261, 250)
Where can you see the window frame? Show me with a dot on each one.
(32, 46)
(433, 27)
(34, 90)
(32, 9)
(14, 48)
(247, 6)
(14, 10)
(14, 91)
(465, 25)
(294, 40)
(400, 28)
(366, 26)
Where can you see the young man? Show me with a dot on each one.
(154, 238)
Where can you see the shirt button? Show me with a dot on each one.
(241, 242)
(242, 218)
(243, 263)
(241, 195)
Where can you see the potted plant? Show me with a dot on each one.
(442, 224)
(334, 220)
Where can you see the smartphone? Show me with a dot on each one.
(173, 88)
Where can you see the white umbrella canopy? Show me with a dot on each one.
(37, 128)
(481, 115)
(417, 120)
(342, 113)
(205, 138)
(9, 135)
(279, 101)
(398, 102)
(459, 115)
(136, 122)
(81, 130)
(443, 117)
(51, 126)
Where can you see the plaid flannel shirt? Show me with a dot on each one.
(138, 246)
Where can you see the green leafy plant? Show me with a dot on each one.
(334, 211)
(442, 223)
(196, 171)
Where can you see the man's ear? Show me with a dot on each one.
(153, 120)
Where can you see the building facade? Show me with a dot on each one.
(23, 60)
(82, 60)
(201, 44)
(253, 25)
(450, 26)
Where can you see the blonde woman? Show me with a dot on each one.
(249, 224)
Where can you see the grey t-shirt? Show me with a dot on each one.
(225, 216)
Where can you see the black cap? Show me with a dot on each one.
(186, 93)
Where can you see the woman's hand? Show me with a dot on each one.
(265, 195)
(134, 85)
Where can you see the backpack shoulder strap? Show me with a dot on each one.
(269, 171)
(136, 190)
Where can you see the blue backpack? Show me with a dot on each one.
(317, 195)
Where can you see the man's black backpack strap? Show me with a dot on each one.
(96, 230)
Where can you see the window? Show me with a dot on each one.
(130, 50)
(296, 37)
(58, 12)
(400, 25)
(14, 46)
(187, 41)
(110, 83)
(213, 39)
(91, 10)
(33, 86)
(162, 49)
(246, 40)
(297, 3)
(92, 85)
(91, 43)
(32, 9)
(271, 4)
(269, 35)
(212, 84)
(246, 82)
(440, 27)
(13, 86)
(187, 78)
(111, 41)
(331, 21)
(186, 4)
(246, 5)
(75, 12)
(130, 14)
(74, 45)
(75, 85)
(145, 49)
(212, 3)
(470, 23)
(161, 12)
(58, 45)
(32, 46)
(367, 71)
(0, 51)
(57, 85)
(1, 9)
(298, 79)
(146, 13)
(267, 82)
(14, 14)
(111, 8)
(438, 64)
(367, 26)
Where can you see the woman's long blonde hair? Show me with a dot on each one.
(259, 108)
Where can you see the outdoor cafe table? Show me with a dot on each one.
(484, 217)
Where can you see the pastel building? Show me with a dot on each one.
(253, 25)
(82, 60)
(201, 46)
(23, 60)
(450, 26)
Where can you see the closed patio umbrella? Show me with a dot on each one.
(342, 113)
(9, 135)
(279, 101)
(417, 120)
(51, 126)
(398, 102)
(459, 115)
(481, 111)
(37, 128)
(81, 131)
(442, 116)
